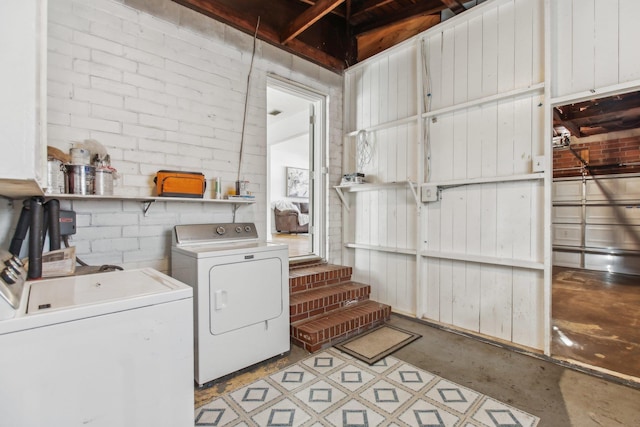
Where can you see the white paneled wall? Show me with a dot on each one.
(497, 225)
(383, 90)
(381, 97)
(474, 258)
(595, 44)
(484, 241)
(489, 53)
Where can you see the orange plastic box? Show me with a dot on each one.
(180, 184)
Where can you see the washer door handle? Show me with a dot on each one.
(221, 299)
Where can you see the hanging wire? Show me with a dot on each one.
(246, 100)
(427, 107)
(364, 150)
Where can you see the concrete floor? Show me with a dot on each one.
(559, 396)
(596, 319)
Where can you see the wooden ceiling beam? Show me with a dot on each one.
(221, 12)
(367, 6)
(570, 126)
(308, 18)
(615, 104)
(425, 7)
(267, 33)
(337, 11)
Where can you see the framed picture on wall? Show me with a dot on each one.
(297, 182)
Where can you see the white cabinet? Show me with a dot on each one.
(23, 102)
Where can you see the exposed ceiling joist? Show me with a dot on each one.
(328, 32)
(368, 6)
(604, 115)
(308, 18)
(247, 23)
(570, 126)
(426, 7)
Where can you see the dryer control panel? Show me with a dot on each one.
(197, 234)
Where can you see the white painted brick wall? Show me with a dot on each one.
(159, 95)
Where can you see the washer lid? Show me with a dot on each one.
(54, 294)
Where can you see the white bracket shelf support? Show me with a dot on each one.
(354, 188)
(483, 259)
(443, 185)
(377, 248)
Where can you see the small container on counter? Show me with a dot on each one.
(217, 188)
(242, 188)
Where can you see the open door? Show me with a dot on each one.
(296, 171)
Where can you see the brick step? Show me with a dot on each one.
(307, 304)
(328, 329)
(310, 277)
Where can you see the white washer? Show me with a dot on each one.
(241, 295)
(106, 349)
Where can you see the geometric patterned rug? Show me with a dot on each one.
(334, 389)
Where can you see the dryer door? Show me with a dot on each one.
(244, 292)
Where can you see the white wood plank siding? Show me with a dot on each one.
(594, 44)
(380, 94)
(480, 248)
(491, 54)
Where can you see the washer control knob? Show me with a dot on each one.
(238, 229)
(220, 230)
(247, 228)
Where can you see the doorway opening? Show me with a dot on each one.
(296, 129)
(596, 233)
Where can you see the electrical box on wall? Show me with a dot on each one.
(67, 223)
(429, 193)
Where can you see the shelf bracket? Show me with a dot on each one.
(147, 205)
(414, 189)
(235, 208)
(342, 198)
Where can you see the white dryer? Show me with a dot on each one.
(241, 295)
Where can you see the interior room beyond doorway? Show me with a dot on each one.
(293, 155)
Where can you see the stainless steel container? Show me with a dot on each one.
(55, 176)
(80, 179)
(104, 182)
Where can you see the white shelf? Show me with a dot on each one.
(482, 259)
(354, 188)
(148, 200)
(388, 249)
(66, 196)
